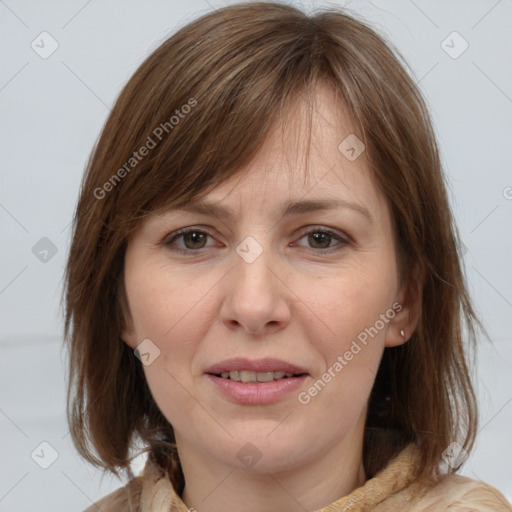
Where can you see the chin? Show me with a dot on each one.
(264, 451)
(266, 459)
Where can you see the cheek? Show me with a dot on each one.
(350, 352)
(348, 329)
(348, 307)
(165, 305)
(173, 314)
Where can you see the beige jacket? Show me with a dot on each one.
(390, 491)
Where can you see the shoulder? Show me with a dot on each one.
(125, 499)
(456, 493)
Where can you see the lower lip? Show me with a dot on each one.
(257, 393)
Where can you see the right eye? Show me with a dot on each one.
(193, 240)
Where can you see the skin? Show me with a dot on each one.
(294, 302)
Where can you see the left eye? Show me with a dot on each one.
(323, 238)
(195, 239)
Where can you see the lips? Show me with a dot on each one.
(256, 382)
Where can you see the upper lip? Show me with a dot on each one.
(255, 365)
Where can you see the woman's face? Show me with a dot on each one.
(296, 299)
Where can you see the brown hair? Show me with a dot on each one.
(238, 69)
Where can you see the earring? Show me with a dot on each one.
(402, 333)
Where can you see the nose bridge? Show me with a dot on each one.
(255, 296)
(253, 268)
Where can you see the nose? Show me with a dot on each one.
(257, 298)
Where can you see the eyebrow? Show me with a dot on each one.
(290, 208)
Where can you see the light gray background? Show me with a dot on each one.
(52, 111)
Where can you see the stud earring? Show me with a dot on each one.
(402, 333)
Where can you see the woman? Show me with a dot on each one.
(264, 288)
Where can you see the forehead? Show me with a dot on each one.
(313, 151)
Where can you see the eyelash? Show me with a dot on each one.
(169, 241)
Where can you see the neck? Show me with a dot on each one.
(215, 487)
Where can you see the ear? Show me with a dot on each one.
(407, 310)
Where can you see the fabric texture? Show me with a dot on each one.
(392, 490)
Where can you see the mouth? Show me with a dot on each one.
(256, 382)
(251, 376)
(261, 370)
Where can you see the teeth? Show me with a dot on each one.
(265, 376)
(249, 376)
